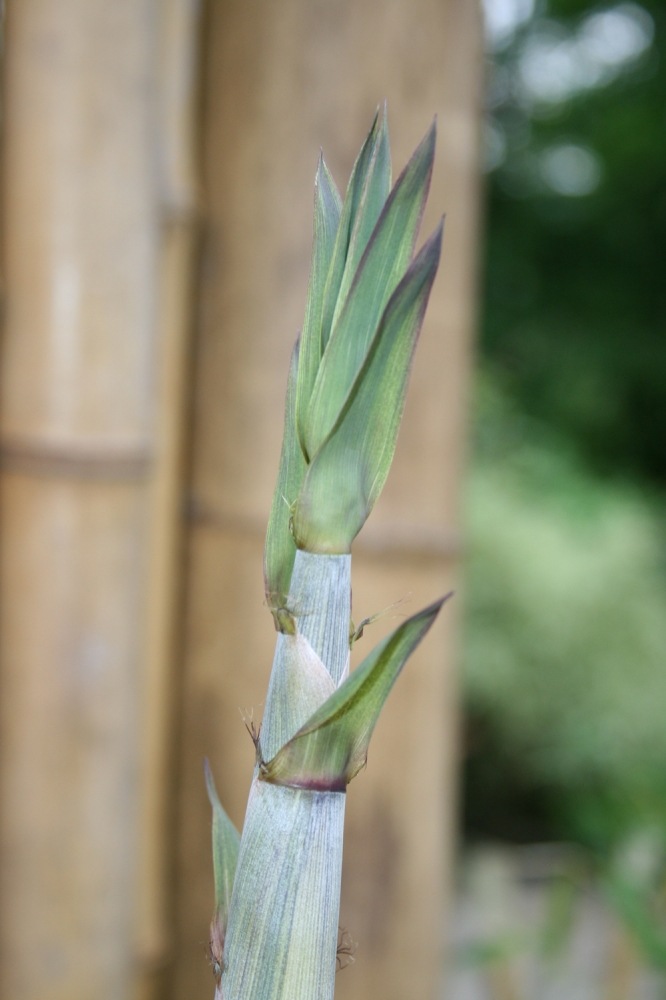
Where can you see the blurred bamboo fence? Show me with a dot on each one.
(122, 664)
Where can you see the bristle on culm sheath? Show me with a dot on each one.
(275, 932)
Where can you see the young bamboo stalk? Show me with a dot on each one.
(274, 935)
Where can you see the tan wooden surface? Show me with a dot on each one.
(176, 124)
(279, 81)
(97, 231)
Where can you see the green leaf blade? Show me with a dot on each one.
(226, 845)
(348, 472)
(330, 749)
(280, 548)
(328, 206)
(382, 266)
(376, 188)
(353, 196)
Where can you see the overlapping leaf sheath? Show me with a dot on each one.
(347, 383)
(366, 301)
(283, 920)
(332, 746)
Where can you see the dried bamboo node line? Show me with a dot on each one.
(62, 461)
(415, 542)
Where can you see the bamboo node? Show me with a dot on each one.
(64, 460)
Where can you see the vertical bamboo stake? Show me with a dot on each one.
(280, 80)
(179, 26)
(87, 485)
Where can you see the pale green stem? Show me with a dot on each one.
(320, 601)
(320, 598)
(283, 920)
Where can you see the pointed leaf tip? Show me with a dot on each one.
(348, 219)
(226, 843)
(348, 472)
(331, 748)
(327, 209)
(382, 265)
(371, 200)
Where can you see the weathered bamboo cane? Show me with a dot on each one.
(96, 305)
(176, 124)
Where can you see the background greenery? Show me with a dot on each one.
(565, 642)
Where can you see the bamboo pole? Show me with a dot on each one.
(178, 88)
(97, 219)
(281, 79)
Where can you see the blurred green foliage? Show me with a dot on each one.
(566, 623)
(574, 310)
(565, 638)
(568, 617)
